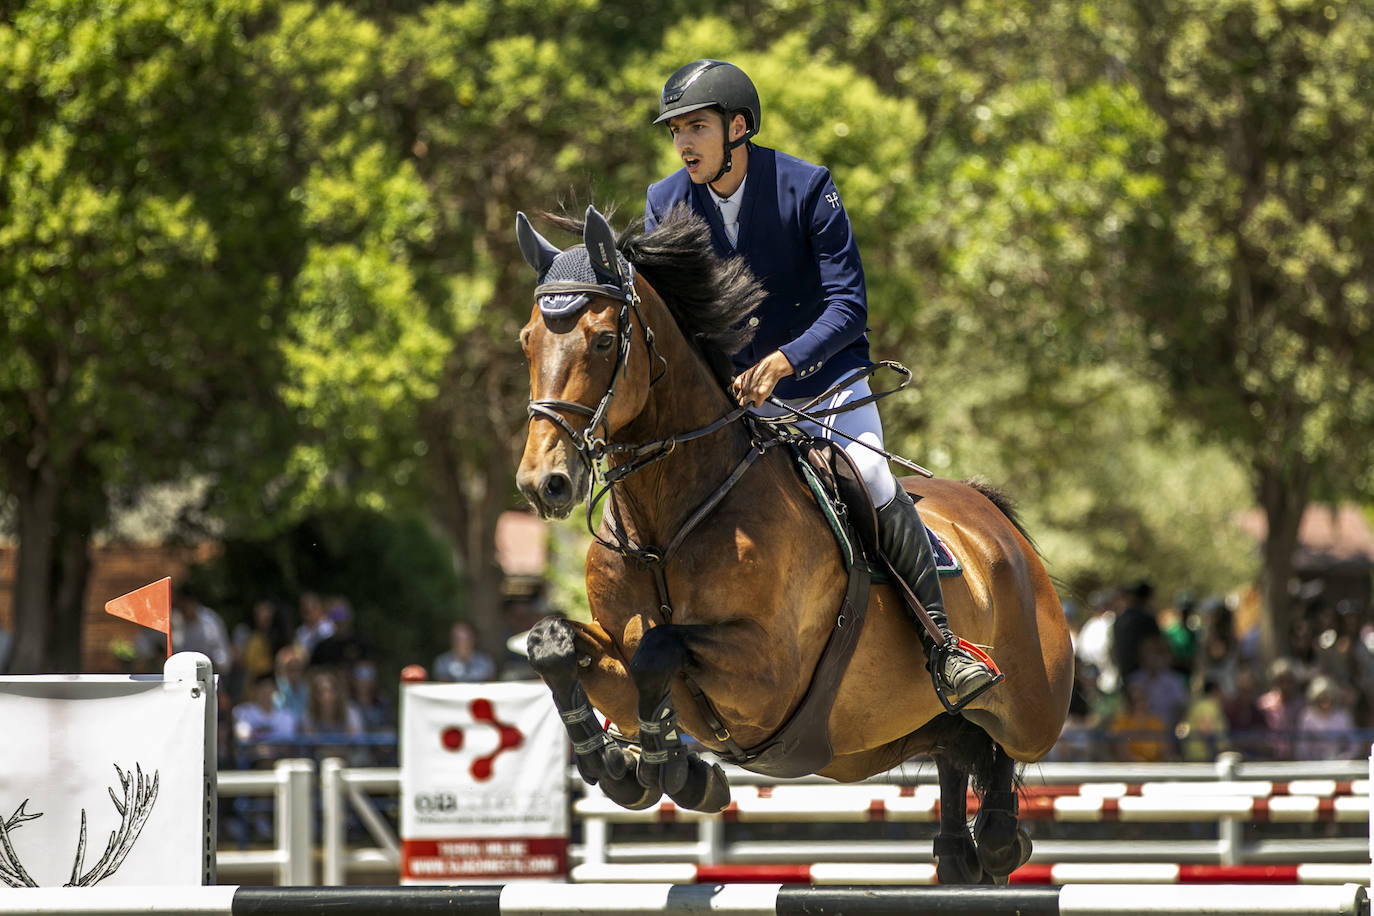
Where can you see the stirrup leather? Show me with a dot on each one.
(939, 653)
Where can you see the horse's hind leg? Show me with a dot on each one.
(666, 764)
(956, 856)
(553, 654)
(1003, 846)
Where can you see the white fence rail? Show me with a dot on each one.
(1228, 794)
(291, 786)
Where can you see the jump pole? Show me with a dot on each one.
(694, 900)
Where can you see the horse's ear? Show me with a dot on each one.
(538, 251)
(601, 251)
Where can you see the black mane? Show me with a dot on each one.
(711, 298)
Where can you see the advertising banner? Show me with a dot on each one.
(108, 779)
(484, 796)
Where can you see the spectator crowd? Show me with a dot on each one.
(1185, 683)
(306, 684)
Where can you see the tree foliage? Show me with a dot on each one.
(145, 252)
(266, 245)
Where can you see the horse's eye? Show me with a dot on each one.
(603, 342)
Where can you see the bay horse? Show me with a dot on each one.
(715, 582)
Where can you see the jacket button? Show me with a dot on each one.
(754, 322)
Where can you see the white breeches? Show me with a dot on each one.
(863, 423)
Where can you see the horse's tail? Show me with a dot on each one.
(1005, 504)
(954, 740)
(966, 747)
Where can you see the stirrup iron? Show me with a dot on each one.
(939, 653)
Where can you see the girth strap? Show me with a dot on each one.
(802, 745)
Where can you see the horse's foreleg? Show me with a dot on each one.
(956, 857)
(666, 764)
(553, 654)
(1003, 846)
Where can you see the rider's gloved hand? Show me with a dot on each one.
(753, 386)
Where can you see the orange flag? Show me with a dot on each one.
(149, 606)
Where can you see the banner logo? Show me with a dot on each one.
(509, 738)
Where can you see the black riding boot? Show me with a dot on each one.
(903, 538)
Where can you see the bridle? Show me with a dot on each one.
(589, 445)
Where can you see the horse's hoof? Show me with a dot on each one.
(628, 793)
(551, 649)
(1001, 861)
(625, 789)
(956, 860)
(706, 788)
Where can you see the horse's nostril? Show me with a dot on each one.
(557, 489)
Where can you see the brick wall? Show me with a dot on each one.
(116, 570)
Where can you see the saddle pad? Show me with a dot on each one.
(947, 565)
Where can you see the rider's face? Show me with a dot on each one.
(699, 138)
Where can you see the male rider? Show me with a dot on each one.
(785, 218)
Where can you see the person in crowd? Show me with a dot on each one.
(463, 661)
(377, 709)
(1302, 646)
(1244, 720)
(1078, 741)
(1203, 731)
(1093, 642)
(343, 646)
(256, 642)
(1325, 726)
(375, 706)
(1166, 690)
(315, 623)
(1136, 733)
(1344, 658)
(1282, 707)
(260, 725)
(331, 719)
(195, 628)
(1218, 653)
(1179, 626)
(1135, 623)
(292, 690)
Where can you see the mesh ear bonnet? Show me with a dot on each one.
(570, 282)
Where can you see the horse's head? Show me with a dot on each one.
(587, 379)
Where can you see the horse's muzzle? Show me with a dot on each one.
(552, 494)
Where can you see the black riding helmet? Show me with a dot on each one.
(712, 84)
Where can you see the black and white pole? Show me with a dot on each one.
(696, 900)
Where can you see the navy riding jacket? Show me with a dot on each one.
(794, 233)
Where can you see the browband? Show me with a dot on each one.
(560, 298)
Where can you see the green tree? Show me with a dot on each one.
(1194, 212)
(144, 256)
(1261, 318)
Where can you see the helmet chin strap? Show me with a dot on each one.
(726, 163)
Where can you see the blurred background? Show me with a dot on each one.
(259, 298)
